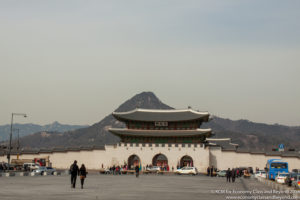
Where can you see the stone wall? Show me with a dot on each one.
(229, 159)
(119, 154)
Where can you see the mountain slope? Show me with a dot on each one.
(253, 135)
(28, 129)
(247, 134)
(96, 134)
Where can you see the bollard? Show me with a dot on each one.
(11, 173)
(8, 174)
(56, 173)
(45, 174)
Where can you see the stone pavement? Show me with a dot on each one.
(128, 187)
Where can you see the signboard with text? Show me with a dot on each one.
(281, 147)
(161, 124)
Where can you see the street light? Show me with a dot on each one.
(18, 141)
(10, 136)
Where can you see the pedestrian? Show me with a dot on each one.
(208, 171)
(228, 175)
(137, 171)
(74, 170)
(237, 172)
(233, 175)
(114, 170)
(82, 173)
(212, 171)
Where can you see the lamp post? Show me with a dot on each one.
(10, 136)
(18, 141)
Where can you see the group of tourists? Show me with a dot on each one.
(232, 174)
(116, 170)
(162, 167)
(76, 171)
(211, 171)
(3, 166)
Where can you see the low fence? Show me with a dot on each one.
(294, 194)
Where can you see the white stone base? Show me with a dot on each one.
(118, 155)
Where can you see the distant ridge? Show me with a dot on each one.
(256, 136)
(96, 134)
(28, 129)
(249, 135)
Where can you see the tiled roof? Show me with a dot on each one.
(158, 133)
(161, 115)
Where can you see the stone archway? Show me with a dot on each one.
(160, 160)
(133, 161)
(186, 161)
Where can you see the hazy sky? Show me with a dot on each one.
(76, 61)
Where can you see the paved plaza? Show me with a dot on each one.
(128, 187)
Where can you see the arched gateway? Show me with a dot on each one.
(133, 160)
(160, 160)
(148, 129)
(186, 161)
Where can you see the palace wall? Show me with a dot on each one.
(119, 154)
(229, 159)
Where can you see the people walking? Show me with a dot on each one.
(208, 171)
(228, 175)
(82, 173)
(212, 171)
(237, 172)
(233, 174)
(74, 170)
(137, 171)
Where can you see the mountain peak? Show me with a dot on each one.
(55, 123)
(147, 100)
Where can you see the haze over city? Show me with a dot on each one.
(77, 61)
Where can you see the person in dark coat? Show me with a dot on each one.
(208, 171)
(137, 171)
(82, 173)
(74, 172)
(233, 174)
(212, 171)
(228, 175)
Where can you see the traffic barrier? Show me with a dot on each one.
(279, 187)
(56, 173)
(32, 173)
(8, 174)
(24, 174)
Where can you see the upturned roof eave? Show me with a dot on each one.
(129, 115)
(160, 133)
